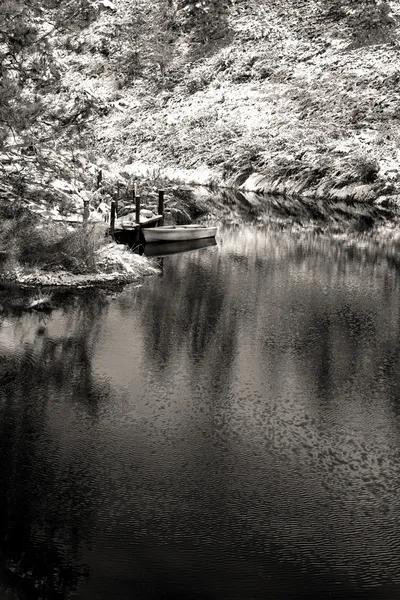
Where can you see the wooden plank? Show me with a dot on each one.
(131, 225)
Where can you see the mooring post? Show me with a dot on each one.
(85, 212)
(138, 236)
(161, 203)
(112, 217)
(137, 209)
(117, 201)
(99, 178)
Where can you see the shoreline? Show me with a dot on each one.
(324, 188)
(384, 236)
(116, 265)
(251, 203)
(63, 279)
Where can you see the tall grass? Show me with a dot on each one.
(27, 241)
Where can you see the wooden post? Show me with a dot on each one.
(137, 209)
(85, 212)
(99, 178)
(112, 217)
(161, 202)
(117, 201)
(138, 237)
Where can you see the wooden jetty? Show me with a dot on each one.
(128, 229)
(124, 228)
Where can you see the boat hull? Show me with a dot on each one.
(178, 234)
(168, 248)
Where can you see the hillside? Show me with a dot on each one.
(303, 92)
(287, 96)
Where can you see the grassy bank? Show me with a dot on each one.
(37, 252)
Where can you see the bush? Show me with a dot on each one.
(186, 206)
(368, 21)
(26, 241)
(364, 169)
(74, 251)
(198, 82)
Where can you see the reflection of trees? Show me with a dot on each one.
(46, 514)
(186, 311)
(332, 309)
(207, 299)
(282, 343)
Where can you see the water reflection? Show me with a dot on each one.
(169, 248)
(45, 505)
(230, 430)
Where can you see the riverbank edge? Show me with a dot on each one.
(127, 268)
(382, 192)
(63, 279)
(369, 195)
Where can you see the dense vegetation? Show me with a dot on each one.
(303, 93)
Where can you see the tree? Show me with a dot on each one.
(368, 21)
(37, 112)
(203, 19)
(141, 37)
(26, 68)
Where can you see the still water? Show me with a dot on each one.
(228, 430)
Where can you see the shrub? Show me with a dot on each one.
(368, 21)
(365, 169)
(198, 82)
(26, 241)
(186, 206)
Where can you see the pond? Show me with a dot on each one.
(228, 430)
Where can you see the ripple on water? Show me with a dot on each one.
(223, 436)
(17, 365)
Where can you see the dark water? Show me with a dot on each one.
(229, 430)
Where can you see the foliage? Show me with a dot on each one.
(31, 73)
(27, 68)
(249, 86)
(185, 206)
(369, 21)
(27, 241)
(40, 116)
(137, 39)
(203, 19)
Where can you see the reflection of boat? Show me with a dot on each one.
(168, 248)
(178, 233)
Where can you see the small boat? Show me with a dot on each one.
(178, 233)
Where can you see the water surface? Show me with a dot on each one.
(228, 430)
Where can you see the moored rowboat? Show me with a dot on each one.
(178, 233)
